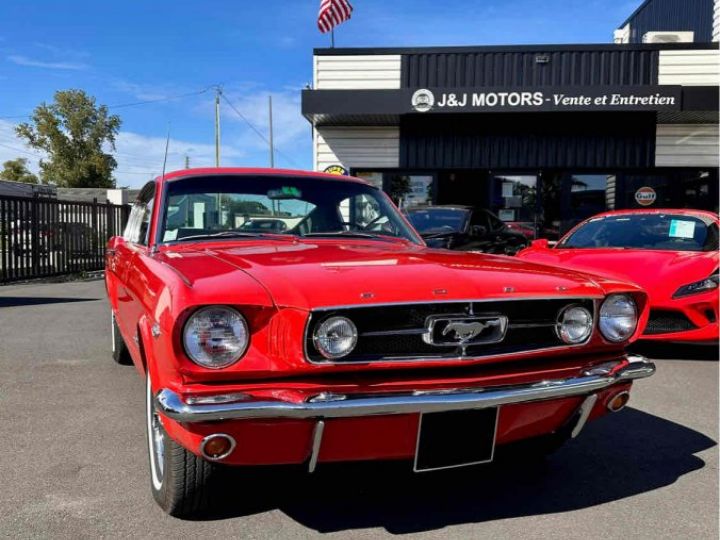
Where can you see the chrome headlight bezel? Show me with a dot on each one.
(564, 316)
(323, 327)
(609, 323)
(233, 319)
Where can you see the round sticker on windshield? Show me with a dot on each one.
(645, 196)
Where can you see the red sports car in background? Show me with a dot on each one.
(672, 254)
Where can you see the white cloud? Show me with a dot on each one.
(146, 92)
(12, 148)
(30, 62)
(140, 157)
(290, 129)
(62, 52)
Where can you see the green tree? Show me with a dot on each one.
(74, 132)
(399, 187)
(16, 170)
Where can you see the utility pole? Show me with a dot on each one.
(218, 90)
(272, 149)
(187, 161)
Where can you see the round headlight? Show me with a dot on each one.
(335, 337)
(215, 337)
(574, 324)
(618, 317)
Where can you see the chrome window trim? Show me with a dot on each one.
(464, 359)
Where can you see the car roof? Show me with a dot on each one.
(641, 211)
(441, 207)
(256, 171)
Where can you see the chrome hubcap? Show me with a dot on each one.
(158, 444)
(155, 441)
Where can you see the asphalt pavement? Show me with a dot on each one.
(73, 460)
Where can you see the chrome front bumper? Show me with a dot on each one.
(234, 406)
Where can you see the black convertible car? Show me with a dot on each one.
(464, 228)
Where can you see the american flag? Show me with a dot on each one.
(332, 13)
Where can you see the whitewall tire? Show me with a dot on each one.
(180, 481)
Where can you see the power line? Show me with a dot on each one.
(35, 155)
(257, 131)
(132, 103)
(158, 100)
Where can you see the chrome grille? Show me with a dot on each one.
(396, 331)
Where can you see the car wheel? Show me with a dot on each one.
(120, 352)
(180, 480)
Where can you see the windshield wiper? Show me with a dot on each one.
(345, 234)
(223, 234)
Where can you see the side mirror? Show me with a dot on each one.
(540, 243)
(478, 230)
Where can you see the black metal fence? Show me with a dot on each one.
(48, 237)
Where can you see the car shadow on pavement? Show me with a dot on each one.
(15, 301)
(616, 457)
(673, 351)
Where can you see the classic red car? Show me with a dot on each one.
(344, 337)
(671, 254)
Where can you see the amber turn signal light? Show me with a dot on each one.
(216, 447)
(618, 401)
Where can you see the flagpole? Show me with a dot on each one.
(332, 37)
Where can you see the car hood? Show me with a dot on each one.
(308, 274)
(660, 273)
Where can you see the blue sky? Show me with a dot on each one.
(124, 52)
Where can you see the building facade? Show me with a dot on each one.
(544, 135)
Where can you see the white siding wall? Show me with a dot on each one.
(689, 67)
(356, 147)
(716, 21)
(372, 71)
(686, 145)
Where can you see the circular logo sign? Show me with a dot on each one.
(422, 100)
(336, 169)
(645, 196)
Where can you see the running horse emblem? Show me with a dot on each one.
(465, 331)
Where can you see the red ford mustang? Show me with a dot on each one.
(340, 336)
(672, 254)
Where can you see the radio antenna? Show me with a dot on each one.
(167, 145)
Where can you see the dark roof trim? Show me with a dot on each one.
(634, 13)
(514, 48)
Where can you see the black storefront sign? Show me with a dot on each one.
(465, 100)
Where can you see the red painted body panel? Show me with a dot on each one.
(659, 272)
(275, 283)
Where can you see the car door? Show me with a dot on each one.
(133, 245)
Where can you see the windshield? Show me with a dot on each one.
(438, 220)
(646, 231)
(229, 207)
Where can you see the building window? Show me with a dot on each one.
(696, 188)
(372, 178)
(569, 198)
(513, 198)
